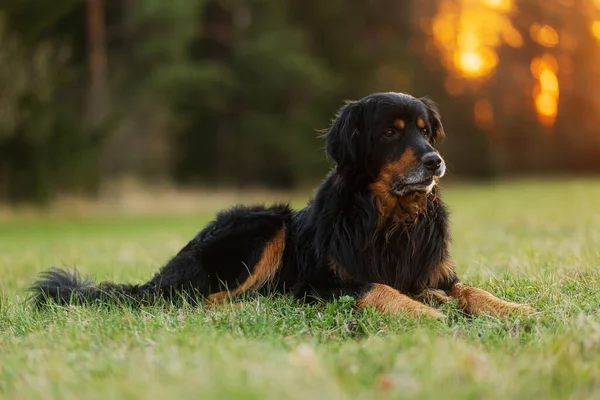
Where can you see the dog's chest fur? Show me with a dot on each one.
(409, 247)
(404, 255)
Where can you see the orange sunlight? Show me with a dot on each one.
(545, 92)
(596, 29)
(544, 35)
(468, 33)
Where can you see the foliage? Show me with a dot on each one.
(223, 92)
(42, 149)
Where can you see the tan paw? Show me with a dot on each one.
(524, 308)
(429, 312)
(511, 309)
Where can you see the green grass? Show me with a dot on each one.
(528, 242)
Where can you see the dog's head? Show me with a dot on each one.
(389, 138)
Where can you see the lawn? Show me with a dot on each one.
(534, 242)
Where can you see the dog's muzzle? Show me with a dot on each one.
(422, 178)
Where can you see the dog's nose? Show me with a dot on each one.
(432, 161)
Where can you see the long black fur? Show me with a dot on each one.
(341, 226)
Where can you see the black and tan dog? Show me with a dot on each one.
(376, 230)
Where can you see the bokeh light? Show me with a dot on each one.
(467, 34)
(596, 29)
(546, 91)
(544, 35)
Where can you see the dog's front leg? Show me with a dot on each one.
(388, 300)
(476, 301)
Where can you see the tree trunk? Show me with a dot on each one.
(98, 93)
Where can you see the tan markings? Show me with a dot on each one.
(399, 123)
(444, 272)
(264, 270)
(388, 300)
(420, 122)
(381, 188)
(339, 271)
(476, 301)
(399, 209)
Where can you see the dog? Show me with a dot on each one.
(376, 230)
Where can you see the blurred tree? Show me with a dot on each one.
(98, 90)
(236, 82)
(42, 149)
(234, 92)
(262, 108)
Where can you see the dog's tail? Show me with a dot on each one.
(65, 287)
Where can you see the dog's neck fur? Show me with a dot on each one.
(393, 210)
(400, 210)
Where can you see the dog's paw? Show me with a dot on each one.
(431, 313)
(513, 309)
(524, 309)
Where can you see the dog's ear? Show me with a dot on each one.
(343, 135)
(434, 117)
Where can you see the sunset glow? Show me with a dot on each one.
(544, 35)
(545, 92)
(596, 29)
(548, 81)
(471, 63)
(467, 33)
(540, 64)
(546, 105)
(504, 5)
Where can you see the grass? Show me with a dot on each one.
(531, 242)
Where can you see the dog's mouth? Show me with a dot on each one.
(422, 187)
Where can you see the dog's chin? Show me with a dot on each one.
(421, 188)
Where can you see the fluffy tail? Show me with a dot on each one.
(65, 287)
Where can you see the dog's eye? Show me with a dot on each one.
(425, 132)
(389, 133)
